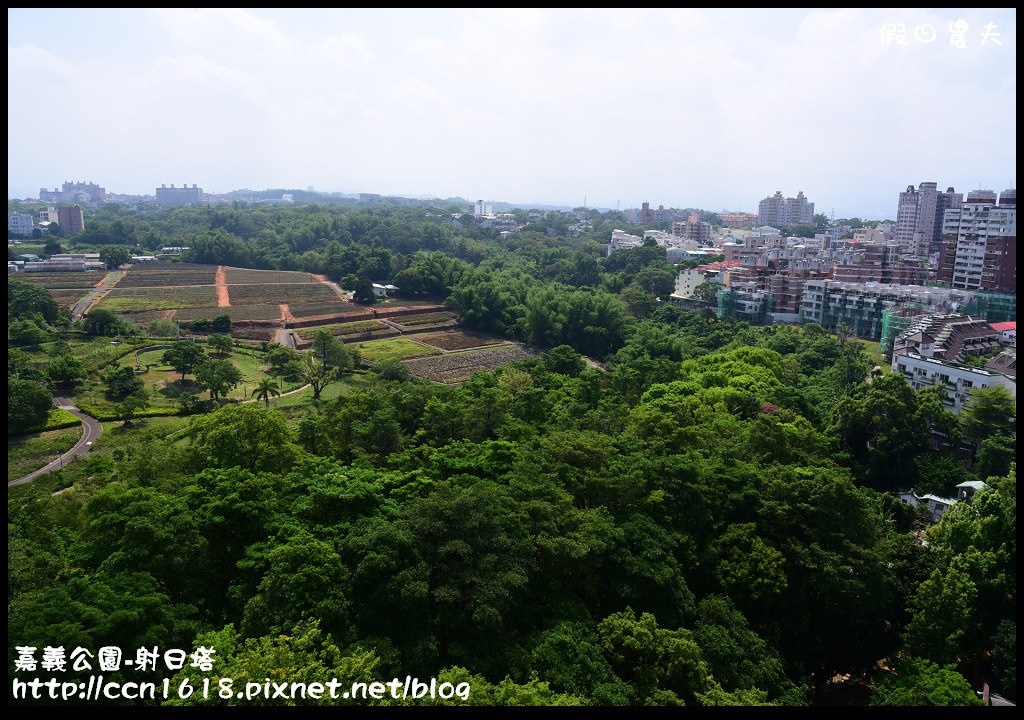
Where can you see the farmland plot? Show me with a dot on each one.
(458, 367)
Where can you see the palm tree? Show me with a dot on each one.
(265, 389)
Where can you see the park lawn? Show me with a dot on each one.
(874, 354)
(116, 435)
(166, 387)
(31, 452)
(400, 348)
(94, 352)
(346, 385)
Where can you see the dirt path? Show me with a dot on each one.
(221, 280)
(170, 314)
(286, 314)
(333, 286)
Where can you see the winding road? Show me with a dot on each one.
(93, 428)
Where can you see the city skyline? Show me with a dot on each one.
(518, 106)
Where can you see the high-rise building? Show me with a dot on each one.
(979, 243)
(778, 211)
(179, 196)
(74, 192)
(919, 217)
(482, 209)
(19, 224)
(70, 219)
(693, 229)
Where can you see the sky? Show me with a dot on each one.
(714, 109)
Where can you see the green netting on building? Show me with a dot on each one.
(895, 321)
(726, 303)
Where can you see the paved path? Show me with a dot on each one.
(103, 287)
(93, 428)
(284, 336)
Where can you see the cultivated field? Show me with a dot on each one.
(165, 276)
(158, 298)
(243, 276)
(458, 367)
(400, 348)
(67, 298)
(457, 340)
(57, 281)
(297, 294)
(343, 329)
(327, 307)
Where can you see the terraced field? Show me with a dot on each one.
(297, 294)
(400, 348)
(457, 340)
(58, 281)
(158, 298)
(460, 366)
(343, 329)
(328, 307)
(165, 276)
(68, 298)
(244, 276)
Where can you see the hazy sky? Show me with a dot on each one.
(712, 109)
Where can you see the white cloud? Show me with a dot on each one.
(680, 107)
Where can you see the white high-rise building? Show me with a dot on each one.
(19, 223)
(482, 209)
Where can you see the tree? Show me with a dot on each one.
(279, 356)
(332, 351)
(221, 344)
(184, 356)
(241, 436)
(564, 360)
(27, 405)
(364, 292)
(915, 682)
(23, 298)
(66, 370)
(218, 376)
(992, 410)
(52, 248)
(391, 369)
(26, 333)
(163, 327)
(995, 456)
(114, 256)
(266, 389)
(639, 302)
(221, 324)
(122, 381)
(316, 374)
(707, 292)
(104, 322)
(127, 408)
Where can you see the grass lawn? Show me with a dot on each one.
(115, 435)
(166, 386)
(874, 354)
(31, 452)
(401, 348)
